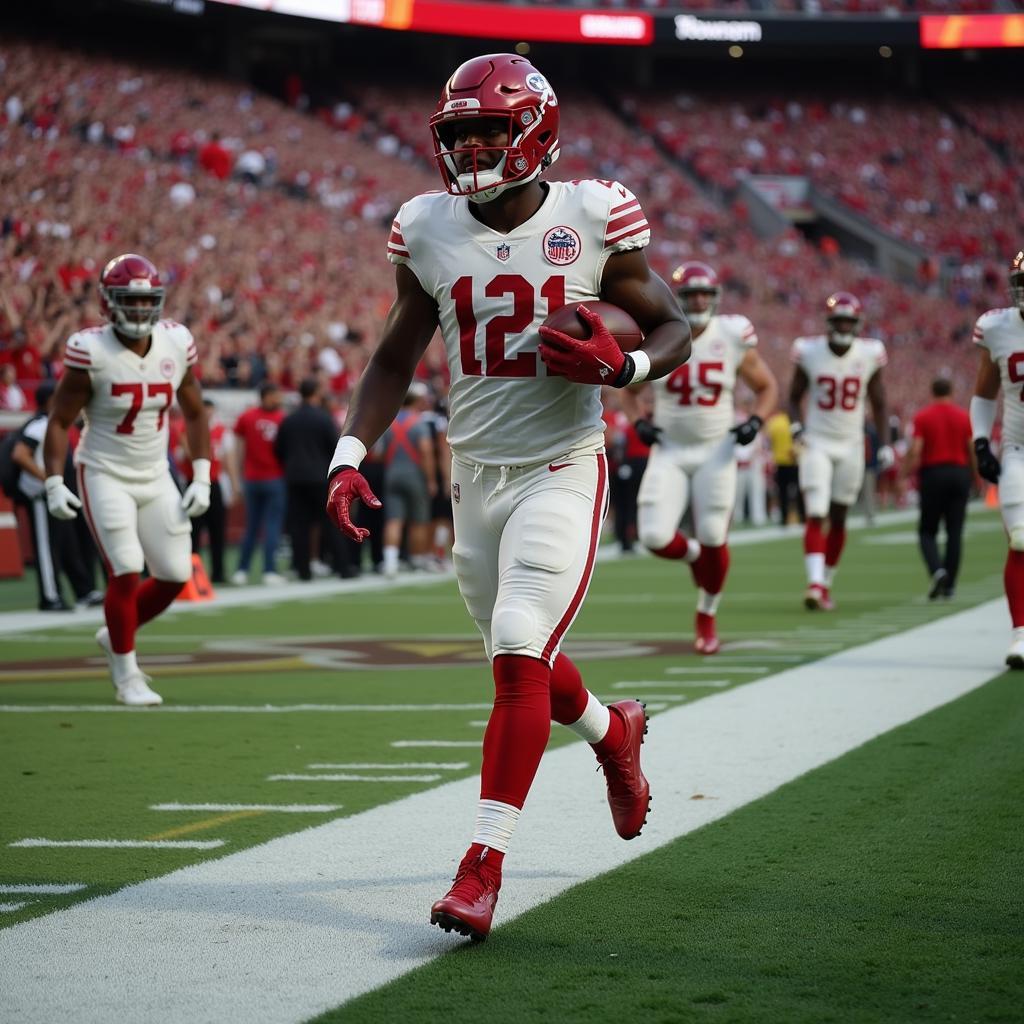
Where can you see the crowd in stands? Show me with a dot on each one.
(811, 8)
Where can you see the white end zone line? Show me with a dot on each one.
(275, 808)
(447, 766)
(286, 930)
(294, 777)
(125, 844)
(41, 890)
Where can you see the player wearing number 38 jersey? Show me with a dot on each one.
(488, 260)
(835, 371)
(124, 377)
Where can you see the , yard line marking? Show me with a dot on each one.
(274, 903)
(354, 778)
(41, 890)
(718, 667)
(238, 709)
(201, 826)
(478, 724)
(125, 844)
(9, 908)
(279, 808)
(434, 743)
(447, 766)
(676, 683)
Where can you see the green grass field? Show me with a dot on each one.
(884, 886)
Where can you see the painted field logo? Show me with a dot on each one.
(562, 246)
(503, 252)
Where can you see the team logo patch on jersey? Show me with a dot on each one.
(718, 347)
(503, 251)
(167, 368)
(562, 246)
(456, 493)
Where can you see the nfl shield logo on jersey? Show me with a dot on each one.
(503, 251)
(562, 246)
(456, 493)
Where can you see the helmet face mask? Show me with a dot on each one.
(131, 295)
(513, 114)
(843, 316)
(1017, 281)
(698, 291)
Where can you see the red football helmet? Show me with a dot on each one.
(697, 278)
(1017, 280)
(843, 306)
(497, 86)
(131, 295)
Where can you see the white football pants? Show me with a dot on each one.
(830, 471)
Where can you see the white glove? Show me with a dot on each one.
(196, 499)
(62, 502)
(886, 458)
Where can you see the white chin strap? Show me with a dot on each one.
(490, 183)
(842, 340)
(699, 319)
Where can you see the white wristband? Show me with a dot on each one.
(983, 416)
(201, 471)
(349, 452)
(641, 366)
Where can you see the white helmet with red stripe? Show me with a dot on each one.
(1017, 280)
(692, 279)
(843, 308)
(131, 295)
(505, 88)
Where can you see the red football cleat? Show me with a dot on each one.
(827, 604)
(629, 795)
(816, 599)
(707, 638)
(468, 906)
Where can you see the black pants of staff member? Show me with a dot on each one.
(214, 521)
(371, 519)
(307, 514)
(787, 483)
(625, 486)
(944, 492)
(56, 550)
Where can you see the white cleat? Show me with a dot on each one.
(239, 578)
(1015, 655)
(135, 692)
(274, 579)
(103, 639)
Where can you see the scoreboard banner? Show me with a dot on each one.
(970, 31)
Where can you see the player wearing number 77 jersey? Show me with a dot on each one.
(124, 376)
(693, 460)
(834, 371)
(488, 260)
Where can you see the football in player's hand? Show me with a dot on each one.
(618, 321)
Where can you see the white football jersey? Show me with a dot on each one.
(694, 403)
(494, 290)
(838, 386)
(1001, 331)
(126, 417)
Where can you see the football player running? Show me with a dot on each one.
(693, 458)
(124, 377)
(834, 371)
(999, 334)
(487, 260)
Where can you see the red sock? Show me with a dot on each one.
(120, 611)
(834, 543)
(711, 567)
(615, 735)
(1013, 580)
(814, 538)
(493, 859)
(568, 694)
(518, 730)
(153, 596)
(675, 548)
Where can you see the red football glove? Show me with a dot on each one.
(342, 490)
(598, 360)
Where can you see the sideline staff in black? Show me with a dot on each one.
(942, 449)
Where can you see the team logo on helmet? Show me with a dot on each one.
(537, 82)
(167, 368)
(562, 246)
(503, 251)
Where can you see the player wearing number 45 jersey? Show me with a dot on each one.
(999, 334)
(124, 376)
(693, 458)
(488, 260)
(834, 371)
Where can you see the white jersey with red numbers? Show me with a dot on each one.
(694, 403)
(838, 386)
(494, 290)
(126, 417)
(1001, 331)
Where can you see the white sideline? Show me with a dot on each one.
(286, 930)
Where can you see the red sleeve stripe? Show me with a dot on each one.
(750, 332)
(635, 228)
(398, 252)
(82, 364)
(617, 220)
(398, 247)
(396, 236)
(624, 206)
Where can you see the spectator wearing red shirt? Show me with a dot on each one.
(262, 484)
(215, 159)
(942, 450)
